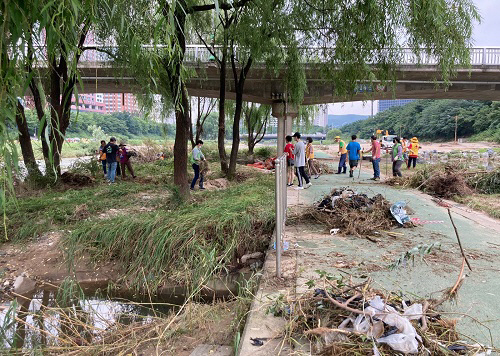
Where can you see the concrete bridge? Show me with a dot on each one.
(414, 80)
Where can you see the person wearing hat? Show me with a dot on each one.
(343, 155)
(413, 149)
(111, 150)
(300, 161)
(125, 161)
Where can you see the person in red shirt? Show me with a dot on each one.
(289, 159)
(375, 150)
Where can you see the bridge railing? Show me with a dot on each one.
(280, 205)
(479, 56)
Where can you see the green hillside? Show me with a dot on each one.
(435, 120)
(341, 120)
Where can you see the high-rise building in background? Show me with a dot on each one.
(88, 103)
(387, 104)
(321, 118)
(120, 102)
(106, 103)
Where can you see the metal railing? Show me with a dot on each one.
(479, 56)
(280, 203)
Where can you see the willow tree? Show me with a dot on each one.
(349, 41)
(364, 41)
(159, 68)
(255, 118)
(256, 31)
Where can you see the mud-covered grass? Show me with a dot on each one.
(41, 208)
(29, 217)
(188, 243)
(488, 203)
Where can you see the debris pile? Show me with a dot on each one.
(76, 179)
(347, 319)
(446, 181)
(447, 184)
(352, 213)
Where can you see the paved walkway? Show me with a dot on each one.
(312, 248)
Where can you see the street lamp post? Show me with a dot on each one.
(456, 128)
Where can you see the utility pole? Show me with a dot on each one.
(456, 127)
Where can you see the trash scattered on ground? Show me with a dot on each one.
(350, 213)
(325, 168)
(267, 164)
(286, 245)
(341, 317)
(420, 250)
(418, 221)
(399, 212)
(451, 179)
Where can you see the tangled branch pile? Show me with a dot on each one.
(352, 213)
(76, 179)
(450, 180)
(348, 319)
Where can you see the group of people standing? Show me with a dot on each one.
(110, 155)
(298, 156)
(402, 151)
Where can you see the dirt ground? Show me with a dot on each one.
(425, 146)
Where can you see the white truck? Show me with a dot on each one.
(387, 141)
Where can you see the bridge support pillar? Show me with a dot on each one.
(285, 115)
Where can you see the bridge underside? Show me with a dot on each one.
(261, 86)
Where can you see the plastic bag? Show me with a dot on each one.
(401, 342)
(407, 339)
(362, 324)
(414, 312)
(399, 213)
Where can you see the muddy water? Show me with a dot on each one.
(80, 315)
(40, 321)
(51, 319)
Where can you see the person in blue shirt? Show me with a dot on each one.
(353, 148)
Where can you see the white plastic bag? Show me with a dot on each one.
(414, 312)
(401, 342)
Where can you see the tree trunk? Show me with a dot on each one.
(25, 142)
(236, 135)
(239, 85)
(191, 134)
(181, 141)
(178, 87)
(222, 114)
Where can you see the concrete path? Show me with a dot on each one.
(312, 248)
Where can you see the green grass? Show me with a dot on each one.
(49, 209)
(186, 244)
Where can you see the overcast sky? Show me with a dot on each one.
(487, 33)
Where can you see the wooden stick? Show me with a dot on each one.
(459, 242)
(459, 280)
(360, 160)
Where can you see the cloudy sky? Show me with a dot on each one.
(487, 33)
